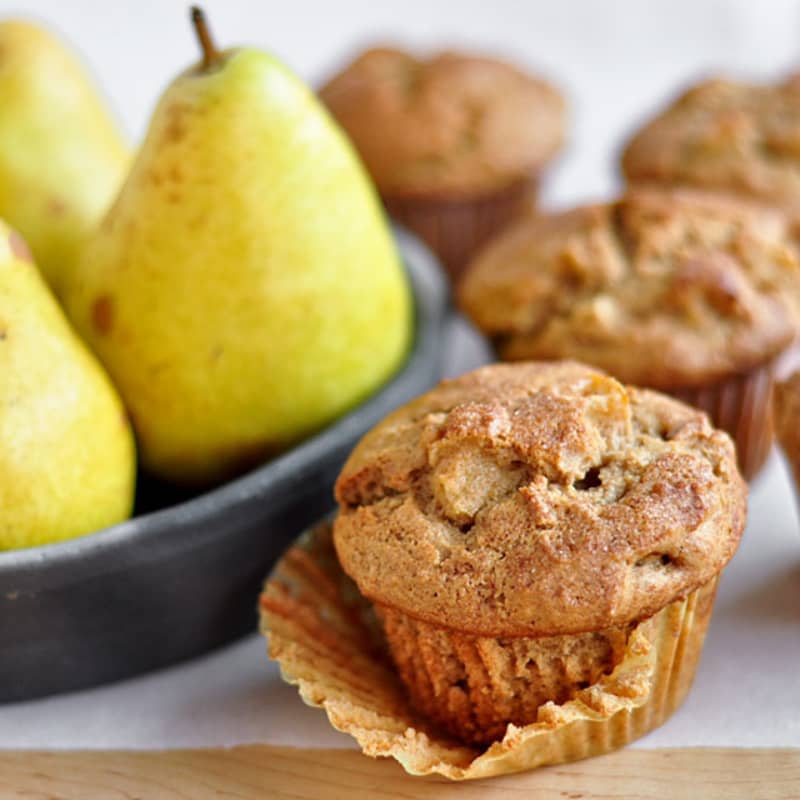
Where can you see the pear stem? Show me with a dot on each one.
(210, 53)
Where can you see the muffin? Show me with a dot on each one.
(726, 136)
(512, 529)
(455, 143)
(690, 293)
(327, 641)
(787, 421)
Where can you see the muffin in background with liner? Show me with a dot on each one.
(455, 143)
(691, 293)
(727, 136)
(787, 422)
(515, 526)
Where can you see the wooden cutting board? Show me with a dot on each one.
(280, 773)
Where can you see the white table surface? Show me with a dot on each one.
(616, 60)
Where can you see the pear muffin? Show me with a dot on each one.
(455, 143)
(787, 421)
(513, 526)
(691, 293)
(728, 136)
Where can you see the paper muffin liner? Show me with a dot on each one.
(473, 686)
(742, 406)
(456, 228)
(785, 404)
(329, 643)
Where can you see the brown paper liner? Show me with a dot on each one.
(786, 407)
(742, 406)
(473, 686)
(456, 229)
(328, 643)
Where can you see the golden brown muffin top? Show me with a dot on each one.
(725, 135)
(787, 415)
(450, 124)
(666, 289)
(538, 499)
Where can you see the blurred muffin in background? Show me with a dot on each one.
(726, 136)
(787, 421)
(455, 143)
(691, 293)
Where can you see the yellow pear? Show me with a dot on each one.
(67, 463)
(244, 289)
(62, 159)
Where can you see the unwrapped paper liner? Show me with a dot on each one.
(328, 642)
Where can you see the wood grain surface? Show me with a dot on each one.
(282, 773)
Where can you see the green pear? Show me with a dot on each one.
(62, 160)
(244, 289)
(67, 462)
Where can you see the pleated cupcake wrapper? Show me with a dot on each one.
(474, 685)
(742, 406)
(329, 643)
(456, 229)
(786, 365)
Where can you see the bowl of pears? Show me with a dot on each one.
(191, 340)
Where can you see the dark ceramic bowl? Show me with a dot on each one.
(172, 583)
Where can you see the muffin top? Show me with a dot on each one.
(447, 125)
(669, 289)
(538, 499)
(725, 135)
(787, 415)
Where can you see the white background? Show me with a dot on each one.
(616, 61)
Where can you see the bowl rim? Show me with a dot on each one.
(429, 291)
